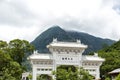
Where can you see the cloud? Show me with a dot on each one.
(97, 17)
(18, 33)
(14, 12)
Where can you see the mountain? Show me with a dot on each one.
(94, 43)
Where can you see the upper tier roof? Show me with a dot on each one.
(92, 58)
(77, 44)
(38, 56)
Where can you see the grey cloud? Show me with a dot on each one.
(15, 13)
(115, 34)
(116, 6)
(95, 26)
(65, 22)
(82, 24)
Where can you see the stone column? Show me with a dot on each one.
(97, 74)
(80, 60)
(34, 75)
(54, 69)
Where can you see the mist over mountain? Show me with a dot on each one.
(94, 43)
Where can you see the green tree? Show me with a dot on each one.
(44, 77)
(30, 77)
(112, 59)
(3, 45)
(66, 73)
(18, 49)
(84, 75)
(9, 70)
(72, 73)
(107, 78)
(118, 77)
(105, 46)
(13, 70)
(11, 57)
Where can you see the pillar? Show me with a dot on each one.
(34, 74)
(54, 69)
(97, 74)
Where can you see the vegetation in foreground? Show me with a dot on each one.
(65, 72)
(12, 55)
(112, 59)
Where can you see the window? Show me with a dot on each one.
(23, 78)
(42, 69)
(65, 58)
(50, 69)
(45, 63)
(91, 70)
(89, 64)
(86, 69)
(41, 62)
(94, 70)
(96, 64)
(67, 52)
(49, 63)
(38, 69)
(75, 52)
(37, 62)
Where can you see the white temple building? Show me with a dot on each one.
(64, 53)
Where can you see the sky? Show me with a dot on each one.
(26, 19)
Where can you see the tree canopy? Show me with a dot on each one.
(118, 77)
(72, 73)
(112, 58)
(11, 57)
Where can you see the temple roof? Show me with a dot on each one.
(115, 71)
(77, 44)
(92, 58)
(40, 56)
(49, 56)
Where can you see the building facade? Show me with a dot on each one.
(64, 53)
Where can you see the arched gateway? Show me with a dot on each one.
(64, 53)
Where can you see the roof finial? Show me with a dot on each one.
(35, 52)
(78, 41)
(54, 39)
(96, 54)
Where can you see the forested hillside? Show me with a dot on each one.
(112, 57)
